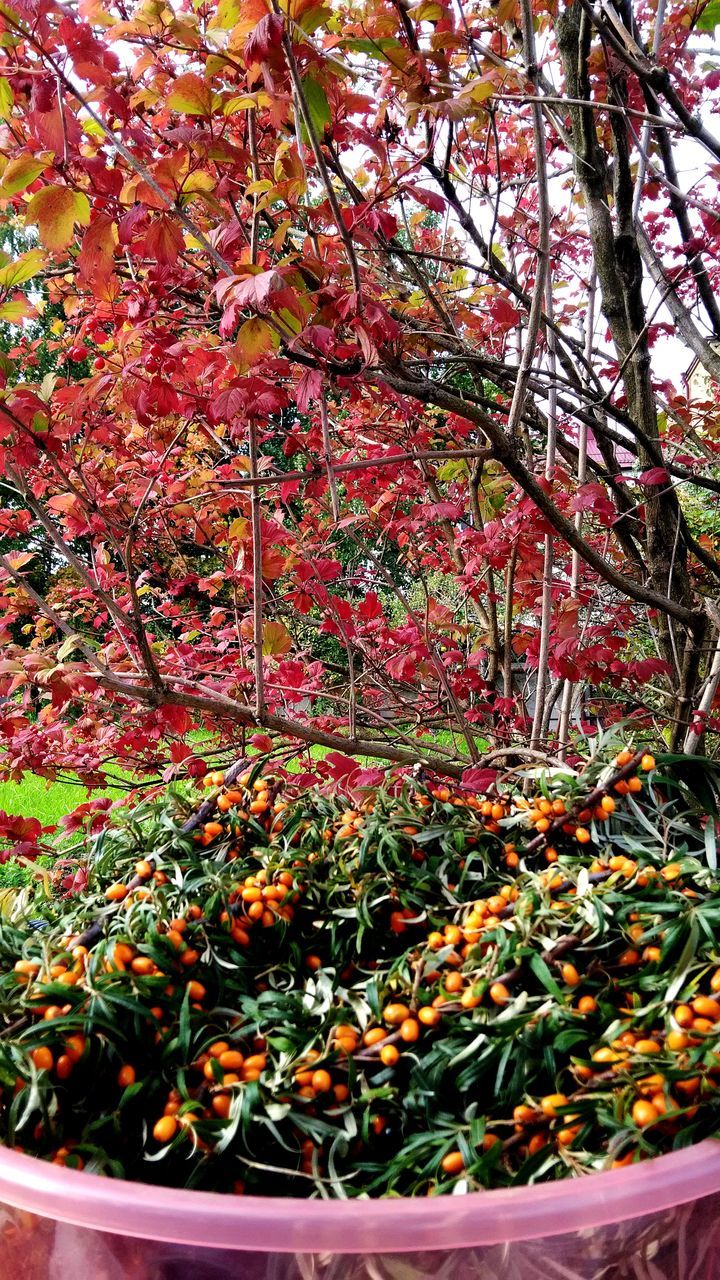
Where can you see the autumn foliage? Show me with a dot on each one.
(342, 401)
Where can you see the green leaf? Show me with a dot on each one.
(56, 210)
(317, 106)
(710, 17)
(6, 99)
(19, 272)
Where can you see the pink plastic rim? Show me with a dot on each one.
(273, 1225)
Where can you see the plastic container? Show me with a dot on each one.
(654, 1221)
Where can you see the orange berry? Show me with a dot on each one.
(409, 1030)
(143, 869)
(550, 1103)
(683, 1015)
(196, 991)
(126, 1075)
(644, 1112)
(608, 804)
(623, 757)
(570, 975)
(116, 892)
(394, 1014)
(221, 1102)
(452, 1164)
(389, 1055)
(43, 1058)
(647, 1046)
(64, 1066)
(75, 1047)
(165, 1129)
(582, 835)
(321, 1081)
(587, 1004)
(230, 1059)
(499, 993)
(706, 1007)
(428, 1016)
(634, 785)
(374, 1036)
(648, 762)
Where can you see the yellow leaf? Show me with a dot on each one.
(17, 309)
(254, 339)
(276, 639)
(191, 95)
(19, 173)
(56, 210)
(19, 272)
(239, 528)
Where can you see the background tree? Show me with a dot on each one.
(380, 313)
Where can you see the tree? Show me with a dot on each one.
(380, 414)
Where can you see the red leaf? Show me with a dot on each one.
(655, 476)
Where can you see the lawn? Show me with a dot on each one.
(34, 797)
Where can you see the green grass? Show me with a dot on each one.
(34, 797)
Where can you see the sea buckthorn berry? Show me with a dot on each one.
(230, 1059)
(671, 871)
(647, 1046)
(196, 991)
(409, 1030)
(75, 1047)
(394, 1014)
(587, 1004)
(321, 1081)
(683, 1015)
(570, 975)
(608, 804)
(623, 757)
(634, 785)
(165, 1129)
(644, 1113)
(454, 982)
(647, 763)
(706, 1007)
(582, 835)
(676, 1041)
(64, 1066)
(43, 1058)
(374, 1036)
(428, 1016)
(550, 1103)
(389, 1055)
(116, 892)
(143, 869)
(453, 1164)
(523, 1115)
(126, 1075)
(499, 993)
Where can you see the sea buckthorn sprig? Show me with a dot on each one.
(362, 995)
